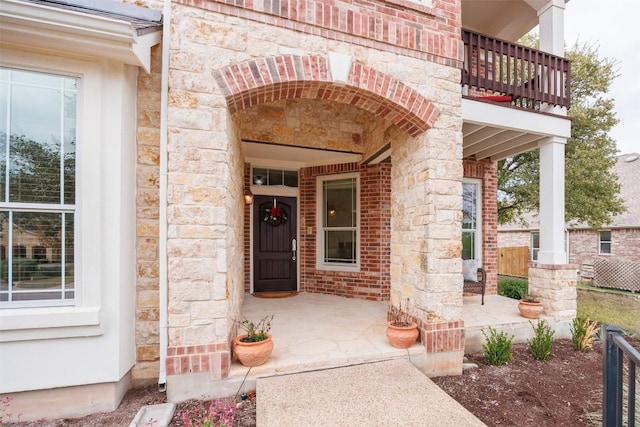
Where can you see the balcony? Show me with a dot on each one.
(503, 84)
(500, 71)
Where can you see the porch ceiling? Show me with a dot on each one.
(508, 20)
(267, 154)
(491, 131)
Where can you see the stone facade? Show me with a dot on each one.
(245, 72)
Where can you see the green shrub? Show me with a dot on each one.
(497, 349)
(541, 343)
(583, 333)
(513, 288)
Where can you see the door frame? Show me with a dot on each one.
(266, 190)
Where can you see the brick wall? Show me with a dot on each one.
(372, 281)
(583, 246)
(429, 33)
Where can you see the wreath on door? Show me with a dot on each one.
(275, 215)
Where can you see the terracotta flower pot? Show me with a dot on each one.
(402, 336)
(530, 310)
(252, 353)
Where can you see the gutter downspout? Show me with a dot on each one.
(162, 226)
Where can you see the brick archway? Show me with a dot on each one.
(263, 80)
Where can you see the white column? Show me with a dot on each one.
(551, 23)
(552, 236)
(551, 26)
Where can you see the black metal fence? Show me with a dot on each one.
(616, 350)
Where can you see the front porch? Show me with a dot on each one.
(316, 331)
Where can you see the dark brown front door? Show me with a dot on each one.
(274, 244)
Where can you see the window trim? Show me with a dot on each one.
(478, 229)
(38, 321)
(600, 242)
(320, 263)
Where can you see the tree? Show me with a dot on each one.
(591, 185)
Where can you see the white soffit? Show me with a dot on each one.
(496, 132)
(267, 154)
(43, 27)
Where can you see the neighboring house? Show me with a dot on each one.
(617, 241)
(367, 133)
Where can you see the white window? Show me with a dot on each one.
(604, 242)
(472, 219)
(535, 245)
(338, 222)
(37, 187)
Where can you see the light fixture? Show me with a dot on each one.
(248, 196)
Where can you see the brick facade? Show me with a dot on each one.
(583, 244)
(372, 281)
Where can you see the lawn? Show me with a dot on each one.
(620, 309)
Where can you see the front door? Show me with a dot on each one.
(274, 244)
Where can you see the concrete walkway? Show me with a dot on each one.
(387, 393)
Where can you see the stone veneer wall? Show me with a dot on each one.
(147, 211)
(555, 287)
(418, 47)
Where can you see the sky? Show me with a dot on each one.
(613, 25)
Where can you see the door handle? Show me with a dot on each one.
(294, 248)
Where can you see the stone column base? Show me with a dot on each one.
(555, 286)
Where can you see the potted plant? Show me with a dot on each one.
(530, 307)
(402, 332)
(255, 346)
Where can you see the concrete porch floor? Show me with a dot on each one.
(315, 331)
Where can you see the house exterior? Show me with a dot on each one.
(617, 241)
(365, 135)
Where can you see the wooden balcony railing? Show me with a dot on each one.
(525, 77)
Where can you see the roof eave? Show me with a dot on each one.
(39, 26)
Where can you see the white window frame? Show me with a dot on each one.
(320, 263)
(44, 320)
(600, 242)
(478, 230)
(534, 254)
(61, 207)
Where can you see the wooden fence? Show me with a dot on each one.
(513, 261)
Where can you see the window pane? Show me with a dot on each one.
(340, 203)
(468, 245)
(469, 205)
(535, 240)
(41, 135)
(605, 236)
(605, 248)
(291, 178)
(340, 246)
(259, 176)
(275, 177)
(4, 136)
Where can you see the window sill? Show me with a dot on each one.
(338, 268)
(23, 324)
